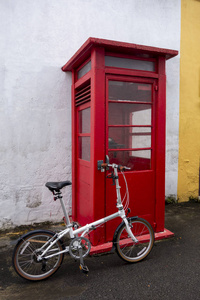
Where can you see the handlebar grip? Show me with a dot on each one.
(104, 165)
(122, 168)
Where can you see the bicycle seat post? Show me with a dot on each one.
(64, 209)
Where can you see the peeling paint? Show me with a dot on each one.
(34, 204)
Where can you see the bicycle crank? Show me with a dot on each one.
(79, 247)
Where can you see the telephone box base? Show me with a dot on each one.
(107, 247)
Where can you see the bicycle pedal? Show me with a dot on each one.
(84, 269)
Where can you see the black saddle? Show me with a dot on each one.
(57, 186)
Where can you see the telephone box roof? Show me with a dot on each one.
(116, 47)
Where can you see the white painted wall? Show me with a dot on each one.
(36, 38)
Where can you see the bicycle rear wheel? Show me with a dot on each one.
(25, 256)
(129, 250)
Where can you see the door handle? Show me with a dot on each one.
(100, 162)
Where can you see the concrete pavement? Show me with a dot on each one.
(171, 271)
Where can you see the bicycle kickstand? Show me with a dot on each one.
(82, 267)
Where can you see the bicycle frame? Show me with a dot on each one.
(88, 227)
(39, 253)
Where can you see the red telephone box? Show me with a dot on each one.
(118, 112)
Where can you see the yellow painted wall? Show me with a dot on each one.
(189, 123)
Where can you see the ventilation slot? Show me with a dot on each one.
(83, 95)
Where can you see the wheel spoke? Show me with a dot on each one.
(26, 252)
(128, 249)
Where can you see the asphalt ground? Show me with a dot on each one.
(171, 271)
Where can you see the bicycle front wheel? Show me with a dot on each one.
(129, 250)
(27, 250)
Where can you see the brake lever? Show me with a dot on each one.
(111, 175)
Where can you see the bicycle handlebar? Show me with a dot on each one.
(119, 167)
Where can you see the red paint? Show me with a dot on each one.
(106, 247)
(93, 196)
(117, 47)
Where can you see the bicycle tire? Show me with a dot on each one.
(127, 249)
(25, 258)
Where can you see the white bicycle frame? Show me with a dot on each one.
(85, 229)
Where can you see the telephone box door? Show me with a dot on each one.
(130, 141)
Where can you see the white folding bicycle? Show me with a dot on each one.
(39, 253)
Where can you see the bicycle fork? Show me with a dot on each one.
(129, 231)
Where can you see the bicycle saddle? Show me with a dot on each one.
(56, 186)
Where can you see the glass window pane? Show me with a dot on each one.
(84, 70)
(84, 147)
(129, 137)
(141, 137)
(129, 114)
(84, 120)
(127, 63)
(129, 91)
(136, 160)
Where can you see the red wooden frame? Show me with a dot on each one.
(136, 80)
(95, 50)
(117, 47)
